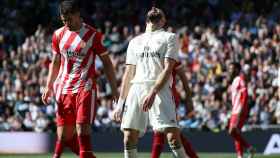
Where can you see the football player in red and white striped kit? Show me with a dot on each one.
(240, 109)
(71, 79)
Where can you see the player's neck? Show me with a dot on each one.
(77, 27)
(152, 27)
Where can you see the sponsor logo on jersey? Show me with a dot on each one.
(147, 53)
(71, 54)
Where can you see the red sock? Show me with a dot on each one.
(238, 148)
(58, 149)
(73, 144)
(239, 142)
(85, 146)
(188, 147)
(237, 136)
(158, 142)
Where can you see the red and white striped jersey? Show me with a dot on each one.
(239, 95)
(77, 52)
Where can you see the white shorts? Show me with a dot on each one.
(161, 115)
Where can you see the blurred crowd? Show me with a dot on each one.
(207, 46)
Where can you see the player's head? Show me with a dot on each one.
(70, 13)
(234, 69)
(156, 17)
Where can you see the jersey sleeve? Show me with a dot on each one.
(172, 48)
(130, 55)
(55, 44)
(98, 47)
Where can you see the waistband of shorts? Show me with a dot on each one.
(143, 82)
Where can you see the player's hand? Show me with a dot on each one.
(117, 115)
(148, 101)
(46, 95)
(118, 110)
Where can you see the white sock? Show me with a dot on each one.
(131, 153)
(179, 153)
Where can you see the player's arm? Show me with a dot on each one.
(131, 61)
(53, 72)
(103, 54)
(181, 73)
(125, 86)
(160, 82)
(170, 58)
(164, 75)
(54, 69)
(110, 73)
(127, 77)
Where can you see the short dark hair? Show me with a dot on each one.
(154, 15)
(237, 66)
(69, 7)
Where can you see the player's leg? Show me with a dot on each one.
(67, 135)
(174, 141)
(84, 106)
(84, 139)
(158, 143)
(162, 117)
(239, 141)
(73, 143)
(130, 141)
(65, 126)
(188, 147)
(134, 120)
(234, 134)
(59, 145)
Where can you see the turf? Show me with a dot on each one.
(141, 155)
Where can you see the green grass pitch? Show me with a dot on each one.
(141, 155)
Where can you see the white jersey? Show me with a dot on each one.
(148, 51)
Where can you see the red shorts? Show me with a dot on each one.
(240, 122)
(76, 108)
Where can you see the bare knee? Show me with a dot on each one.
(130, 138)
(83, 129)
(231, 131)
(173, 137)
(65, 133)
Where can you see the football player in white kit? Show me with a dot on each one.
(145, 88)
